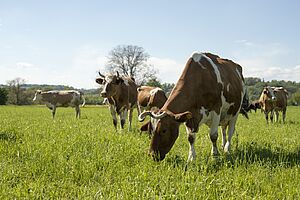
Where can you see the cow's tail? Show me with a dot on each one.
(245, 104)
(82, 96)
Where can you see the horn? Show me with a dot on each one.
(159, 116)
(143, 115)
(101, 74)
(118, 75)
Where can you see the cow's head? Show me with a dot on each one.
(37, 95)
(269, 93)
(165, 128)
(110, 84)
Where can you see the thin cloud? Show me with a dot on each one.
(169, 69)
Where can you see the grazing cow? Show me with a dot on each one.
(253, 106)
(210, 90)
(273, 99)
(121, 95)
(62, 98)
(149, 97)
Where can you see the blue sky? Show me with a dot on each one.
(66, 42)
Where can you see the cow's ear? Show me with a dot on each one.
(145, 127)
(183, 117)
(100, 80)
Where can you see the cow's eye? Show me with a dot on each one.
(164, 131)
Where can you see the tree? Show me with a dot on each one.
(15, 90)
(131, 61)
(3, 96)
(167, 87)
(153, 82)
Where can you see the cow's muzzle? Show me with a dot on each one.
(157, 156)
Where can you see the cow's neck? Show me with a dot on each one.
(121, 95)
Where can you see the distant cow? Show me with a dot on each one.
(253, 106)
(273, 99)
(121, 95)
(210, 90)
(62, 98)
(149, 97)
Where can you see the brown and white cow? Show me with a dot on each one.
(63, 98)
(121, 94)
(253, 106)
(150, 97)
(273, 99)
(209, 91)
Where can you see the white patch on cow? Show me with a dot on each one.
(126, 82)
(108, 79)
(206, 118)
(105, 87)
(197, 57)
(228, 87)
(239, 74)
(34, 98)
(216, 69)
(154, 123)
(225, 107)
(154, 91)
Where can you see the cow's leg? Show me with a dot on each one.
(123, 116)
(139, 109)
(224, 136)
(283, 115)
(130, 119)
(267, 116)
(53, 111)
(276, 116)
(77, 111)
(214, 133)
(191, 139)
(114, 115)
(272, 116)
(231, 128)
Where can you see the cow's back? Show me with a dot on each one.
(157, 99)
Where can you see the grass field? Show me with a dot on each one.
(65, 158)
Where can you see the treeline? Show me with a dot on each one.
(16, 92)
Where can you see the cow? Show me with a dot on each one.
(209, 91)
(253, 106)
(121, 95)
(63, 98)
(149, 97)
(273, 99)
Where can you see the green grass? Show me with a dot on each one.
(65, 158)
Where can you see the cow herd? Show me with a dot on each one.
(210, 90)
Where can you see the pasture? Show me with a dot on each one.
(67, 158)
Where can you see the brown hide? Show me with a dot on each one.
(61, 98)
(146, 98)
